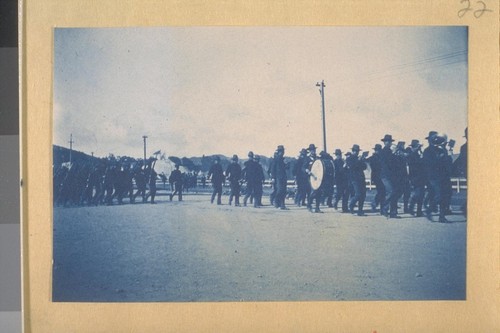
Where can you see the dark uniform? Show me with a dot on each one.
(388, 175)
(375, 166)
(313, 194)
(436, 164)
(217, 177)
(152, 184)
(233, 173)
(140, 183)
(250, 174)
(401, 177)
(328, 178)
(356, 167)
(109, 183)
(259, 184)
(176, 183)
(279, 171)
(416, 175)
(271, 175)
(341, 184)
(460, 167)
(301, 179)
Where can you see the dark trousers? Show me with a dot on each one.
(235, 193)
(272, 196)
(342, 193)
(359, 196)
(406, 192)
(152, 192)
(380, 196)
(416, 198)
(258, 194)
(391, 197)
(177, 190)
(279, 200)
(250, 193)
(328, 193)
(302, 192)
(315, 195)
(217, 191)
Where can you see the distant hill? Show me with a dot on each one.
(203, 163)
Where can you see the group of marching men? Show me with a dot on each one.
(103, 182)
(396, 171)
(109, 181)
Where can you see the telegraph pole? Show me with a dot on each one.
(322, 92)
(144, 137)
(70, 146)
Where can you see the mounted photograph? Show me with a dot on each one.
(243, 164)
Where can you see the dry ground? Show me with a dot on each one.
(195, 251)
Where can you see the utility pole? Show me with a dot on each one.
(70, 147)
(322, 92)
(144, 137)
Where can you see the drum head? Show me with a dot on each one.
(316, 176)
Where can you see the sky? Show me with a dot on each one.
(227, 90)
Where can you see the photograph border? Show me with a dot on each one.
(479, 311)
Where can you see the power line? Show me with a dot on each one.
(421, 62)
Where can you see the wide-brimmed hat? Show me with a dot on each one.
(431, 134)
(311, 147)
(415, 143)
(338, 152)
(377, 147)
(387, 137)
(355, 147)
(235, 157)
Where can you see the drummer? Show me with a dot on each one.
(355, 167)
(314, 194)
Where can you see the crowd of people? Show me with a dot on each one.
(420, 177)
(104, 181)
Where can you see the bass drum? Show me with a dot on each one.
(321, 172)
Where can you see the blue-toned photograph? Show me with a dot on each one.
(230, 164)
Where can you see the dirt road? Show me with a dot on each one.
(195, 251)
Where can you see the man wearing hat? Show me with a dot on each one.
(356, 167)
(279, 172)
(460, 166)
(328, 178)
(216, 175)
(250, 175)
(233, 174)
(341, 183)
(301, 179)
(313, 194)
(175, 181)
(375, 177)
(416, 174)
(259, 182)
(388, 175)
(434, 158)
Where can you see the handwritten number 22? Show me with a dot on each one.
(477, 13)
